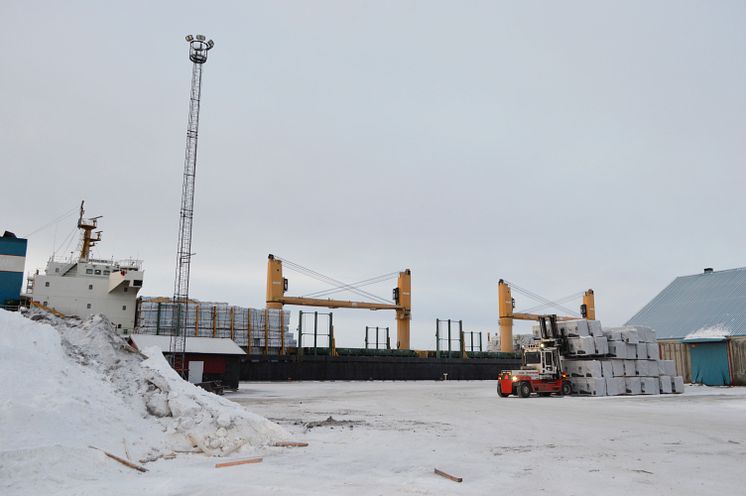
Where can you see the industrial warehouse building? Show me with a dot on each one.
(700, 321)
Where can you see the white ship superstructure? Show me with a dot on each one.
(87, 286)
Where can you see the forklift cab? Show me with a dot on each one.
(543, 360)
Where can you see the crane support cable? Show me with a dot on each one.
(555, 302)
(358, 284)
(541, 299)
(329, 280)
(53, 222)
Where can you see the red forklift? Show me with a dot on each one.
(541, 366)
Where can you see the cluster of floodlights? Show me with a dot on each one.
(198, 47)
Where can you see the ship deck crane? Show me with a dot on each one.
(277, 285)
(506, 305)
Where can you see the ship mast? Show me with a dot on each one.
(87, 226)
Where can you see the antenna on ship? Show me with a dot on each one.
(198, 48)
(87, 226)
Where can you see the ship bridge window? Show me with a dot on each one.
(89, 271)
(46, 284)
(106, 272)
(124, 307)
(125, 289)
(97, 272)
(137, 282)
(88, 305)
(90, 286)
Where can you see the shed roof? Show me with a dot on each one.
(213, 346)
(707, 300)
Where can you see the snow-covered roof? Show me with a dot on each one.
(217, 346)
(697, 303)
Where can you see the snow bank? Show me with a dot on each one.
(76, 383)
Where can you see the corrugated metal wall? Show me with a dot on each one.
(737, 350)
(679, 353)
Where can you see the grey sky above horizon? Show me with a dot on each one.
(558, 145)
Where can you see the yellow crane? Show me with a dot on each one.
(277, 285)
(506, 304)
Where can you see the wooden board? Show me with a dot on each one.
(448, 476)
(244, 461)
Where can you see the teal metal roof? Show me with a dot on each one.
(700, 301)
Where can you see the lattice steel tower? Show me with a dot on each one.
(198, 48)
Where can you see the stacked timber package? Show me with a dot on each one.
(255, 329)
(615, 361)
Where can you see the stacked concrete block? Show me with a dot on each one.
(607, 369)
(630, 368)
(620, 349)
(630, 335)
(633, 385)
(615, 386)
(677, 383)
(573, 328)
(601, 345)
(594, 328)
(641, 350)
(626, 359)
(581, 345)
(589, 386)
(653, 351)
(650, 385)
(666, 384)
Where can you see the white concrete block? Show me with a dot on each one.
(607, 368)
(601, 344)
(666, 385)
(630, 336)
(642, 351)
(582, 345)
(667, 367)
(618, 367)
(645, 334)
(590, 386)
(594, 327)
(613, 334)
(629, 368)
(653, 351)
(619, 349)
(579, 384)
(615, 386)
(641, 368)
(652, 367)
(573, 328)
(633, 385)
(650, 385)
(677, 384)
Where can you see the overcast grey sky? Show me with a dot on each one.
(559, 145)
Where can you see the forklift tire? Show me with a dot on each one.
(566, 389)
(524, 390)
(500, 392)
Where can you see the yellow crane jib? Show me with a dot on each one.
(277, 285)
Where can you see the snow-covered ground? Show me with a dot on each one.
(368, 438)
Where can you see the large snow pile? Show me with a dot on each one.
(71, 383)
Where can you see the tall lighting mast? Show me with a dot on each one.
(198, 48)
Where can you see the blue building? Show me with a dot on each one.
(12, 263)
(700, 322)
